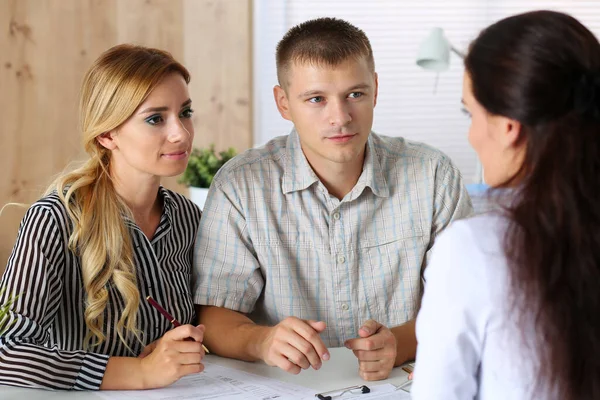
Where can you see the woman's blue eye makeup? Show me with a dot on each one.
(154, 119)
(157, 119)
(187, 113)
(465, 111)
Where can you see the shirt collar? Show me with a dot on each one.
(298, 174)
(168, 201)
(169, 205)
(372, 175)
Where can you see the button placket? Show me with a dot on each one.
(339, 257)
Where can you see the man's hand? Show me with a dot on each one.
(375, 350)
(295, 344)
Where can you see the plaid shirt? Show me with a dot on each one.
(274, 243)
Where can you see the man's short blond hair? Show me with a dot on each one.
(322, 41)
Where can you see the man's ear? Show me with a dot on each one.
(282, 102)
(107, 140)
(376, 89)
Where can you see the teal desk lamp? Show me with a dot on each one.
(434, 52)
(434, 55)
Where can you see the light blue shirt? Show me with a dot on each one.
(274, 243)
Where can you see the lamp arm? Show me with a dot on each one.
(457, 52)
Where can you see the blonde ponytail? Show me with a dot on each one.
(114, 87)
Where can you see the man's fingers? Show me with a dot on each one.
(366, 355)
(296, 342)
(293, 354)
(374, 376)
(370, 366)
(307, 349)
(370, 343)
(374, 370)
(375, 350)
(283, 363)
(311, 336)
(369, 328)
(318, 326)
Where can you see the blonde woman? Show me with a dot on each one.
(106, 236)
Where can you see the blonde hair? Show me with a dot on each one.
(113, 88)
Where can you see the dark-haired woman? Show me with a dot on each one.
(512, 299)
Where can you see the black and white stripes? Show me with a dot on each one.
(43, 347)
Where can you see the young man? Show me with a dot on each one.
(320, 237)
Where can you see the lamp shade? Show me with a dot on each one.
(434, 52)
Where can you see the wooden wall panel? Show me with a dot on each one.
(155, 23)
(47, 45)
(222, 95)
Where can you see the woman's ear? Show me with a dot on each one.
(107, 140)
(512, 132)
(506, 131)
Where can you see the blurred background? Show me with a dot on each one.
(228, 46)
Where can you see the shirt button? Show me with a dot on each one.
(336, 216)
(341, 259)
(345, 307)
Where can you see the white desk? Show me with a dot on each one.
(340, 371)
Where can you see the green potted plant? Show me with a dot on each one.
(201, 169)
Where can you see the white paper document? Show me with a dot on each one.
(218, 382)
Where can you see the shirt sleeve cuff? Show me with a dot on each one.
(91, 372)
(231, 302)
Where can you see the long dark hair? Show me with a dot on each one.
(542, 69)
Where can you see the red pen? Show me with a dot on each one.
(168, 316)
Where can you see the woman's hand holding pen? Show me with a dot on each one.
(172, 357)
(295, 344)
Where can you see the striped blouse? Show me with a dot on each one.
(44, 344)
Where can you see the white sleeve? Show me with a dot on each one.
(452, 320)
